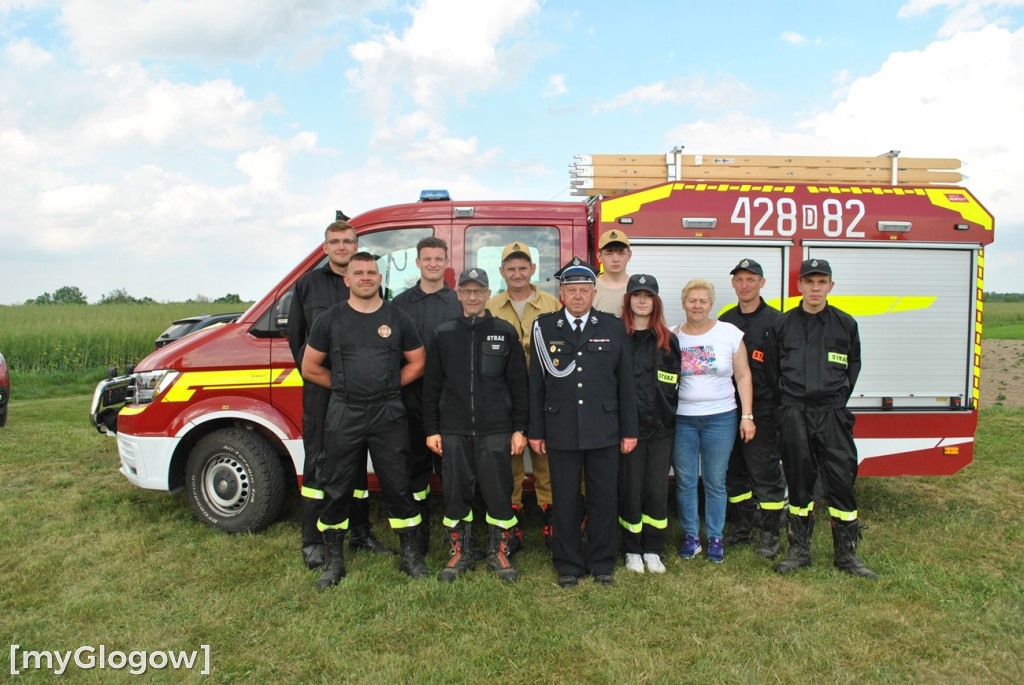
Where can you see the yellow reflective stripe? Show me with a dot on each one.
(360, 494)
(660, 524)
(969, 210)
(230, 379)
(837, 358)
(405, 523)
(772, 506)
(129, 411)
(741, 498)
(502, 523)
(631, 527)
(613, 208)
(321, 526)
(806, 511)
(422, 494)
(666, 377)
(842, 515)
(312, 493)
(451, 523)
(865, 305)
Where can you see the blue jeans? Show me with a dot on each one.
(710, 439)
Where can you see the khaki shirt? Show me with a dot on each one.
(541, 303)
(609, 299)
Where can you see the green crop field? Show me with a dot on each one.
(1003, 321)
(66, 349)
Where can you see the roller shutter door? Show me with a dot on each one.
(913, 308)
(675, 265)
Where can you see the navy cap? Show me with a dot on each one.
(473, 275)
(642, 282)
(748, 265)
(577, 271)
(815, 266)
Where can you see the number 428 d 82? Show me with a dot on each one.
(763, 216)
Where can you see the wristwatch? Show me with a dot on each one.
(747, 416)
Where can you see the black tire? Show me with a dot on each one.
(234, 481)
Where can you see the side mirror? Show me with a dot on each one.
(281, 309)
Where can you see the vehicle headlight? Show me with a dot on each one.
(149, 384)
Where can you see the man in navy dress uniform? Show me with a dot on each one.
(583, 413)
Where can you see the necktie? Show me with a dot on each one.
(577, 325)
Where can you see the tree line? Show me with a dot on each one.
(70, 294)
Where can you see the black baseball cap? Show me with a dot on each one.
(748, 265)
(642, 282)
(473, 275)
(815, 266)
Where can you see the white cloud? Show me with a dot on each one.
(451, 49)
(792, 37)
(112, 31)
(556, 86)
(25, 53)
(962, 15)
(722, 93)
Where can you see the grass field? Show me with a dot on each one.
(87, 559)
(66, 349)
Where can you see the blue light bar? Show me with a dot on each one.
(435, 196)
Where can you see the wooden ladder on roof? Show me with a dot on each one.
(613, 174)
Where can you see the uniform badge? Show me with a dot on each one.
(384, 331)
(554, 361)
(553, 349)
(593, 319)
(745, 263)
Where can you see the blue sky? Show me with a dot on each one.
(177, 148)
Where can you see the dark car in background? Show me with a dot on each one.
(191, 324)
(5, 389)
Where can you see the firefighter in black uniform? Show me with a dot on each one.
(754, 470)
(428, 303)
(314, 293)
(583, 413)
(812, 359)
(475, 415)
(365, 339)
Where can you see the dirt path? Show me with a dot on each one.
(1002, 373)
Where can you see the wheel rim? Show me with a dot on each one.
(226, 485)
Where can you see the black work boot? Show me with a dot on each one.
(411, 562)
(768, 546)
(516, 540)
(362, 539)
(462, 560)
(845, 535)
(334, 566)
(312, 539)
(742, 530)
(799, 533)
(497, 553)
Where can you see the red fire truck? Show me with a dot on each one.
(219, 412)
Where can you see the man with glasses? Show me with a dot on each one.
(475, 416)
(314, 293)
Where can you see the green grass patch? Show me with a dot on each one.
(88, 559)
(1003, 321)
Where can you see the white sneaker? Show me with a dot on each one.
(634, 563)
(654, 563)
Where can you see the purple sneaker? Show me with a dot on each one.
(691, 546)
(715, 551)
